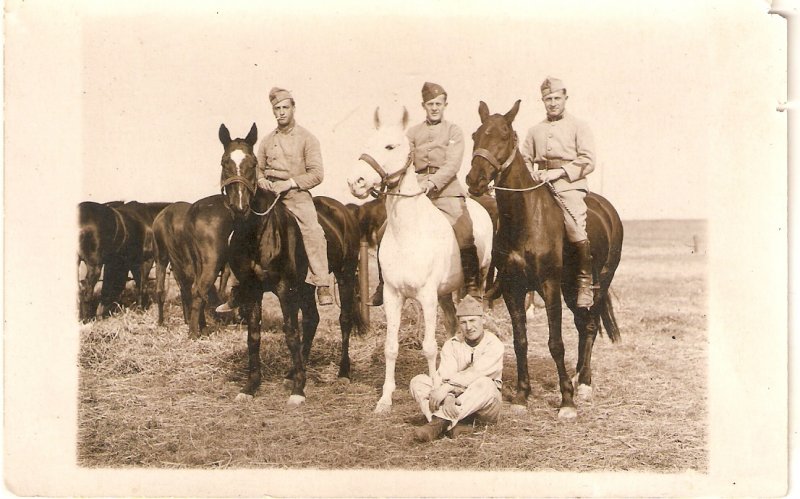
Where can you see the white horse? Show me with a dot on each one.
(419, 255)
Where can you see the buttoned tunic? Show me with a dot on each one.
(438, 150)
(564, 143)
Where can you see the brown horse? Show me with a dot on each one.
(530, 254)
(172, 248)
(267, 254)
(111, 241)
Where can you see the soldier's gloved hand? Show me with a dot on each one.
(437, 396)
(552, 175)
(451, 407)
(280, 186)
(263, 184)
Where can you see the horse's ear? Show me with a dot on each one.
(509, 116)
(483, 111)
(224, 135)
(376, 118)
(252, 136)
(405, 117)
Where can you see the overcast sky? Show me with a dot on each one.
(659, 83)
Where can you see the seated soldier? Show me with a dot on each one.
(471, 368)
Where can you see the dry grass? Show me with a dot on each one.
(149, 397)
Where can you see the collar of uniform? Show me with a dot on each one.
(286, 131)
(557, 118)
(430, 123)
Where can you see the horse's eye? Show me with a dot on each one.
(390, 147)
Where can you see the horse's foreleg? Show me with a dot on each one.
(251, 307)
(310, 319)
(551, 293)
(587, 325)
(347, 290)
(290, 306)
(429, 346)
(515, 303)
(88, 305)
(449, 311)
(393, 306)
(161, 277)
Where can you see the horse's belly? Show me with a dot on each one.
(413, 267)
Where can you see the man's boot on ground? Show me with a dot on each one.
(469, 263)
(432, 430)
(377, 296)
(324, 296)
(584, 278)
(231, 304)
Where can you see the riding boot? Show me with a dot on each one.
(469, 263)
(324, 296)
(584, 278)
(432, 430)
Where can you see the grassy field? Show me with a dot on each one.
(150, 397)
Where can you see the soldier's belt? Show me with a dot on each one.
(552, 164)
(428, 170)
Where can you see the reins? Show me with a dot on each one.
(268, 209)
(389, 181)
(488, 156)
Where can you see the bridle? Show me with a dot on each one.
(237, 179)
(388, 181)
(499, 169)
(488, 156)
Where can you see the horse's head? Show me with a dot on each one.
(495, 145)
(238, 180)
(385, 156)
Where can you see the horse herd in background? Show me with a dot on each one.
(246, 230)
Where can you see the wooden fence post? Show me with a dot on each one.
(363, 279)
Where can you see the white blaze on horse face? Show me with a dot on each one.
(237, 157)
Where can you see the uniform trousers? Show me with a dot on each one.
(455, 210)
(575, 201)
(481, 398)
(302, 207)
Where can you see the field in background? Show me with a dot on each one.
(150, 397)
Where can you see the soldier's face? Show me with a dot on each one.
(434, 108)
(555, 103)
(472, 327)
(284, 112)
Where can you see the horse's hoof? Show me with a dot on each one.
(382, 408)
(584, 393)
(567, 413)
(518, 409)
(295, 401)
(243, 397)
(343, 380)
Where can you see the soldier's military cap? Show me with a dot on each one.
(550, 85)
(278, 94)
(469, 306)
(431, 91)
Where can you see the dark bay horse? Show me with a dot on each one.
(111, 241)
(530, 254)
(267, 255)
(175, 243)
(145, 213)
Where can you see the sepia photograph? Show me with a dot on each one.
(428, 249)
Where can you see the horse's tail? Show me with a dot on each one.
(609, 320)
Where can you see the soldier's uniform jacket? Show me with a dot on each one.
(564, 143)
(438, 150)
(484, 359)
(291, 154)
